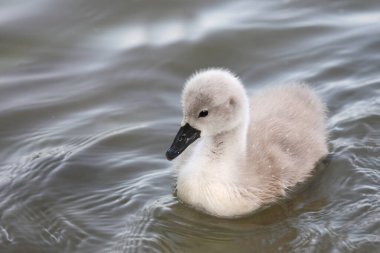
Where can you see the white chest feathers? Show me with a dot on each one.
(215, 196)
(214, 185)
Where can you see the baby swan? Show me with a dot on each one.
(235, 154)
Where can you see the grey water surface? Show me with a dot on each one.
(90, 101)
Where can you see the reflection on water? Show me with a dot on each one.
(89, 98)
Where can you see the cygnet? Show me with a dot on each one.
(235, 154)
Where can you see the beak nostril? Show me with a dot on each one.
(182, 137)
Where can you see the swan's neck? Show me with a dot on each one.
(212, 176)
(225, 151)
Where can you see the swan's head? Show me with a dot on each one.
(213, 101)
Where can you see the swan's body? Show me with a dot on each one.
(249, 152)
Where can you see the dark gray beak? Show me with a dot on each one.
(185, 136)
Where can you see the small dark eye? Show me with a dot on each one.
(203, 114)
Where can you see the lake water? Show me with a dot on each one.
(90, 101)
